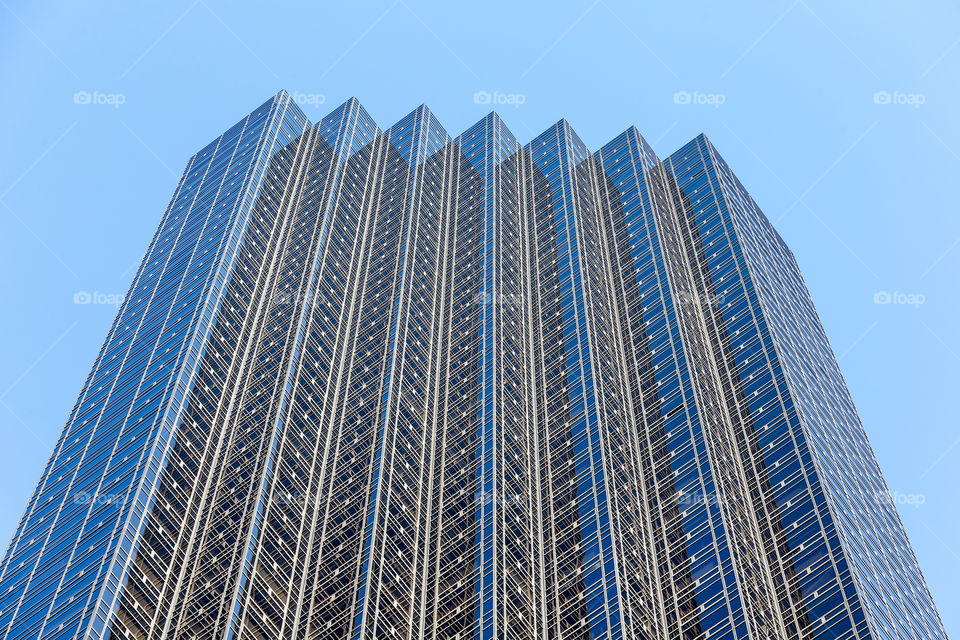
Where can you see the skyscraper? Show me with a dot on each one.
(377, 384)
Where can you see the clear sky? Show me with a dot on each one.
(840, 118)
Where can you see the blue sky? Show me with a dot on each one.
(840, 118)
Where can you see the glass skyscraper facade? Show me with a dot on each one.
(372, 384)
